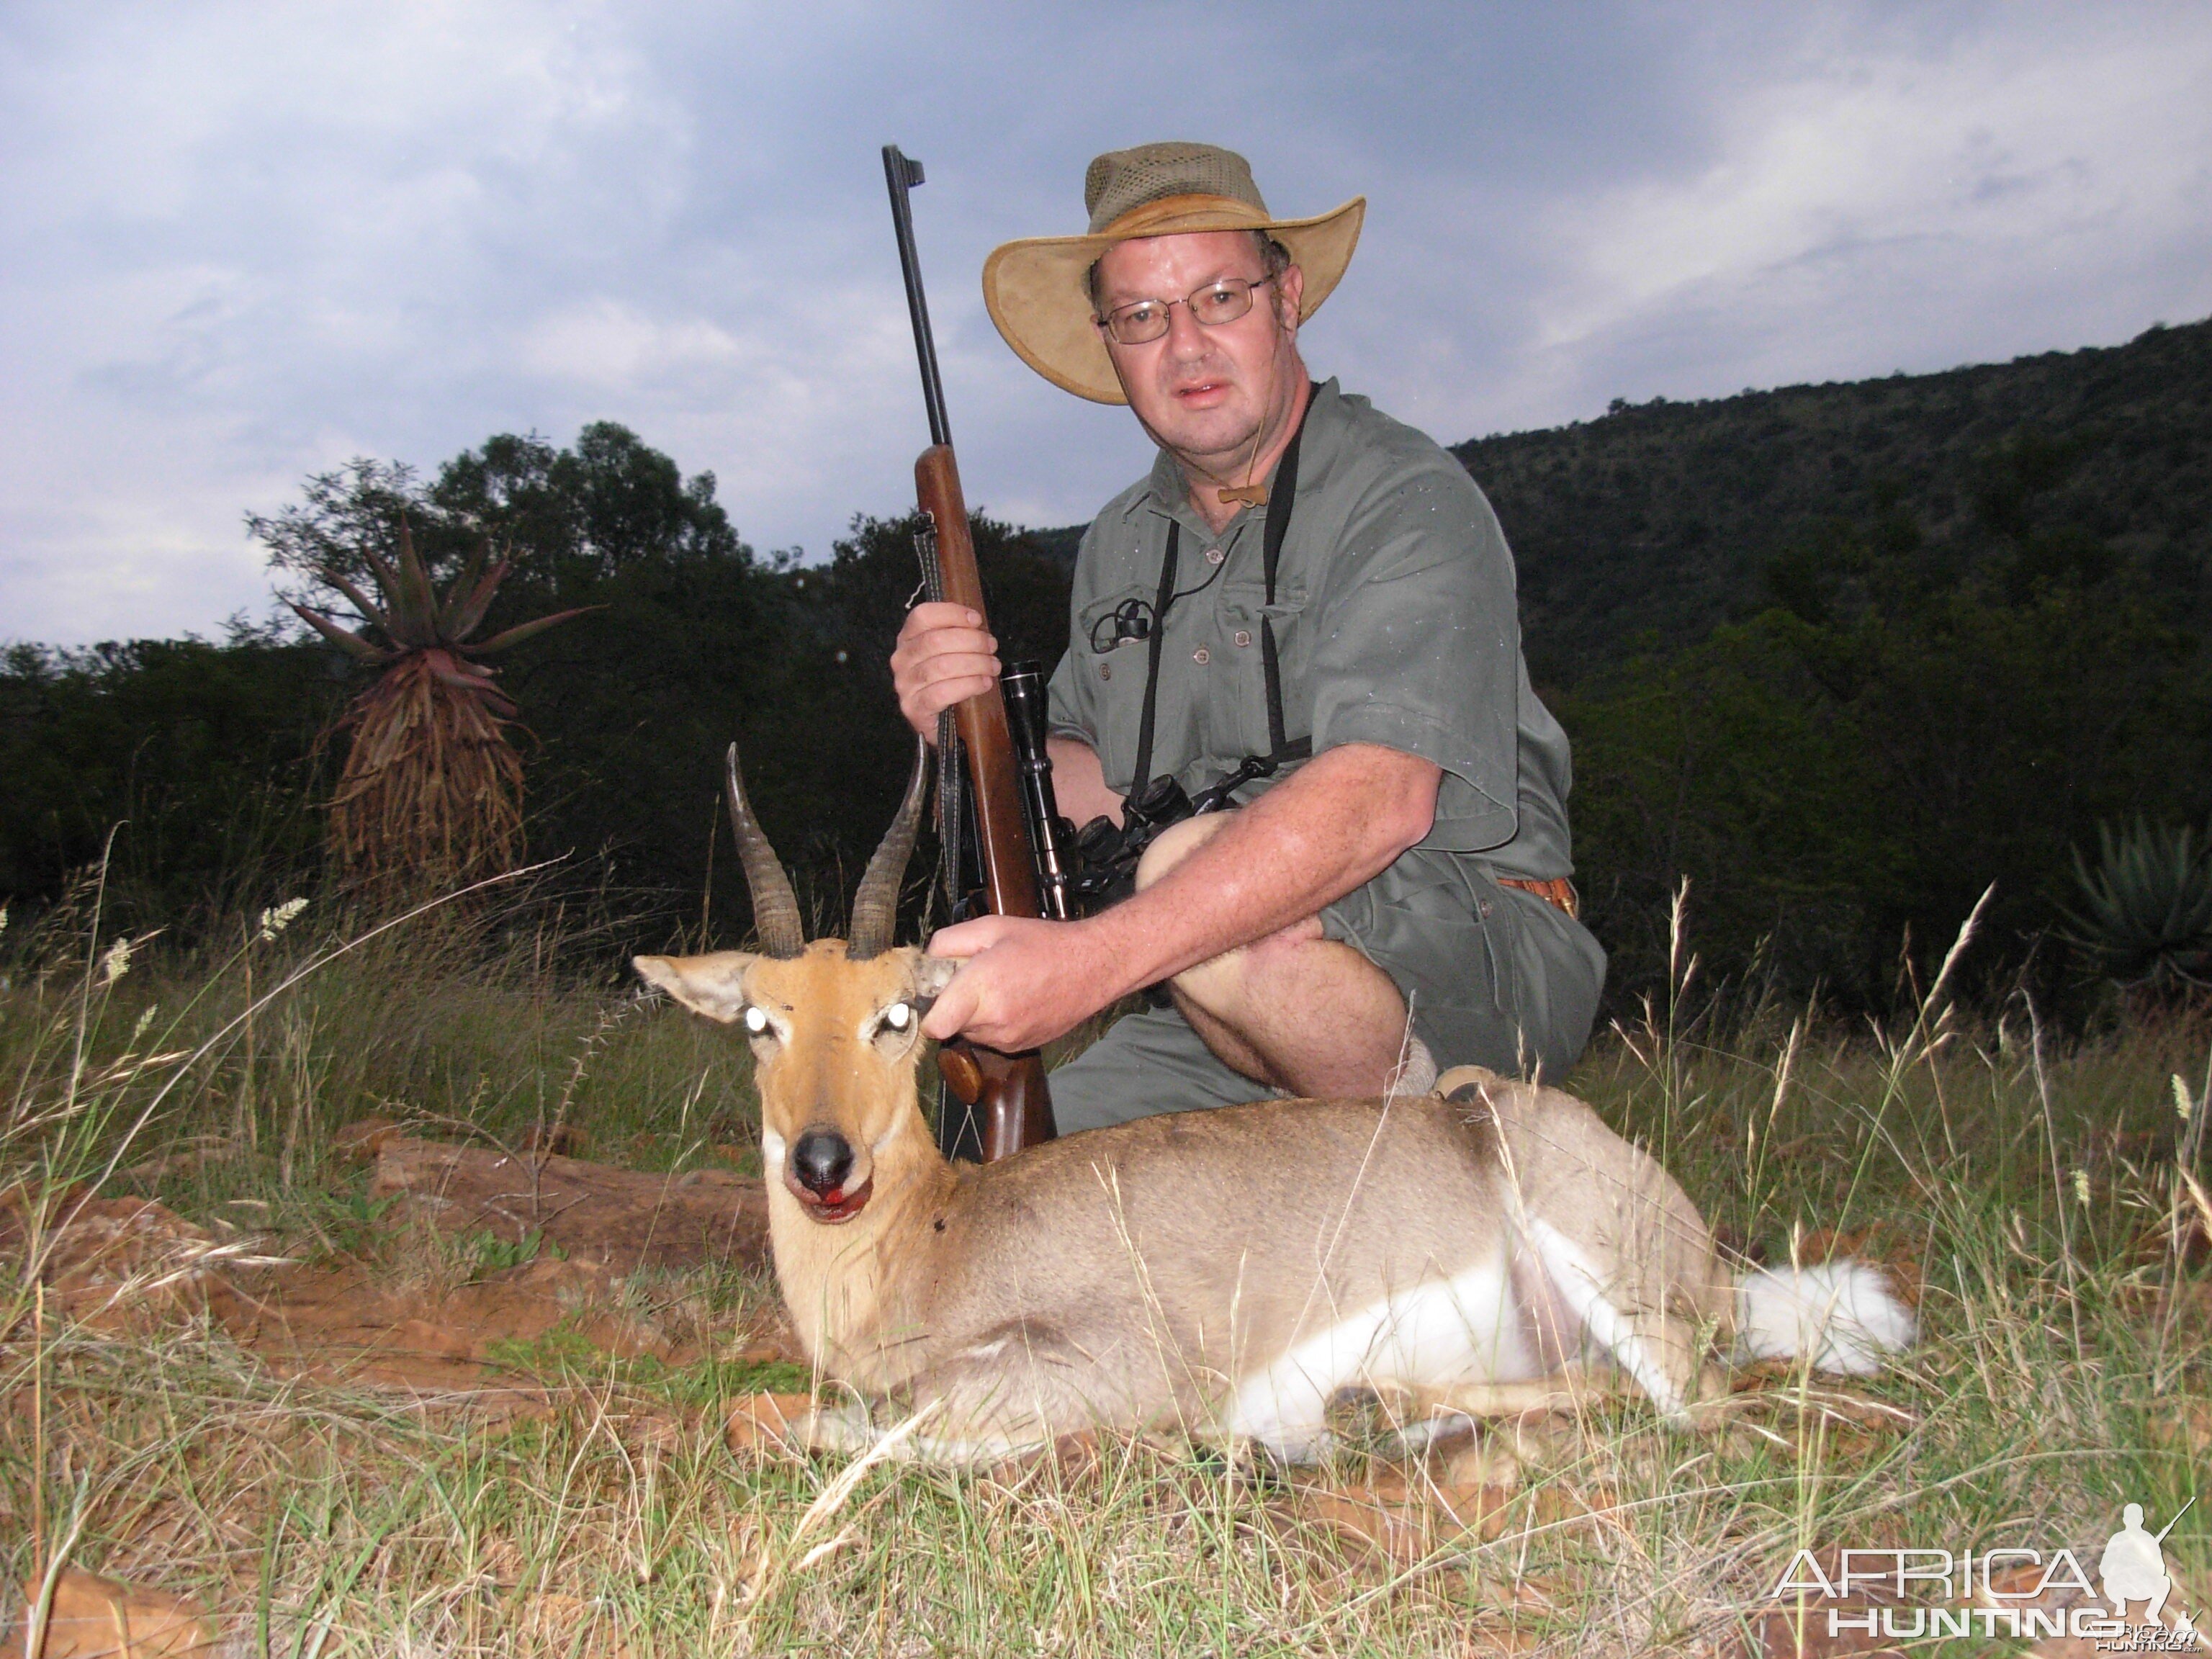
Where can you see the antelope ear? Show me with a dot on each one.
(712, 985)
(932, 973)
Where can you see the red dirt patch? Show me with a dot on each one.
(622, 1219)
(340, 1323)
(125, 1262)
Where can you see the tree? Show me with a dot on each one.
(434, 782)
(431, 797)
(586, 513)
(1847, 773)
(204, 751)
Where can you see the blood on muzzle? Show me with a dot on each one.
(821, 1159)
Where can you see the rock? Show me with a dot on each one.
(622, 1219)
(570, 1282)
(524, 1303)
(654, 1432)
(96, 1618)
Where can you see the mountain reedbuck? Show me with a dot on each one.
(1225, 1273)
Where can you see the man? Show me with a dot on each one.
(1397, 902)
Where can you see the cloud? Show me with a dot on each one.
(606, 345)
(1882, 206)
(249, 242)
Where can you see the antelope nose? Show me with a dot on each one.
(821, 1161)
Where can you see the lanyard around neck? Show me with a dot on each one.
(1282, 495)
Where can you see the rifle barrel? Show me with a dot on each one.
(2176, 1521)
(903, 173)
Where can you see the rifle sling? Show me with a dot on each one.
(1165, 597)
(952, 762)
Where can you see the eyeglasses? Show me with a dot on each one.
(1142, 321)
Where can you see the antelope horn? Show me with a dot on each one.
(875, 904)
(775, 907)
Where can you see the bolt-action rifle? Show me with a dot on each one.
(993, 1103)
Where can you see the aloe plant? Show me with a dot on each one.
(432, 790)
(2146, 917)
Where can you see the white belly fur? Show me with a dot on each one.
(1432, 1334)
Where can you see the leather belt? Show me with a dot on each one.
(1558, 891)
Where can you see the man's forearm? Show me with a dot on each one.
(1335, 824)
(1079, 783)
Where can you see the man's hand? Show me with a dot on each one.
(1338, 821)
(1022, 984)
(943, 656)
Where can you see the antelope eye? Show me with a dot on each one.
(898, 1015)
(755, 1020)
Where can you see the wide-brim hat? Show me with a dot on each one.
(1037, 289)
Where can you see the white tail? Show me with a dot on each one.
(1842, 1314)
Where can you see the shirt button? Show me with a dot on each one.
(1202, 655)
(1214, 556)
(1243, 638)
(1105, 671)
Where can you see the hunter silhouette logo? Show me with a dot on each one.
(2133, 1568)
(2002, 1592)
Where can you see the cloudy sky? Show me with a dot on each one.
(242, 242)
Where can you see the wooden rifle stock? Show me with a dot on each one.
(1004, 1094)
(1007, 1092)
(1002, 836)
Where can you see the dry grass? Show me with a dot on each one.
(2065, 1370)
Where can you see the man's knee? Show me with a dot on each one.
(1213, 983)
(1297, 964)
(1175, 843)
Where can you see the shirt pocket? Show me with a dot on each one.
(1115, 677)
(1238, 722)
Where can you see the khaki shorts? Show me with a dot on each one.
(1493, 977)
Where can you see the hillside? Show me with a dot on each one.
(1659, 520)
(1643, 528)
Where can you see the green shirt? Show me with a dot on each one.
(1394, 619)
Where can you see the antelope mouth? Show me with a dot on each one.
(839, 1204)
